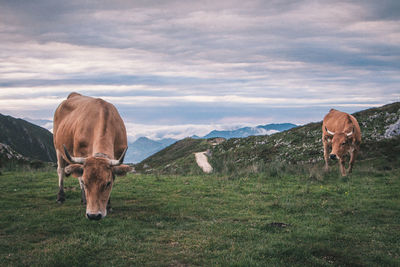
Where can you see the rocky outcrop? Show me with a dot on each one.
(393, 129)
(6, 152)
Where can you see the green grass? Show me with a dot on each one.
(274, 218)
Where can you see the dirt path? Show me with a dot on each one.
(202, 161)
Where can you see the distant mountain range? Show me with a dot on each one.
(250, 131)
(145, 147)
(27, 139)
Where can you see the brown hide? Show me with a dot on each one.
(90, 128)
(87, 126)
(341, 133)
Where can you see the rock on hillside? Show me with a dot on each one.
(7, 153)
(27, 139)
(393, 129)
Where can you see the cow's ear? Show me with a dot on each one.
(75, 169)
(121, 169)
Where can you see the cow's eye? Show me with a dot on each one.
(108, 184)
(344, 143)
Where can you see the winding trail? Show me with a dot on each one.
(202, 161)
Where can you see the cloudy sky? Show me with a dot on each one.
(177, 68)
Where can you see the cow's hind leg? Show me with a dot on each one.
(61, 175)
(83, 196)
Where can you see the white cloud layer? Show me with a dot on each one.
(157, 132)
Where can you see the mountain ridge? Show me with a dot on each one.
(249, 131)
(27, 139)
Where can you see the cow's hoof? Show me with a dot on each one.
(60, 197)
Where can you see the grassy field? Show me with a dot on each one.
(280, 217)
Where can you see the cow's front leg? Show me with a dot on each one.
(109, 209)
(342, 168)
(83, 196)
(353, 154)
(61, 194)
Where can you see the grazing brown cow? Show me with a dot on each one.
(93, 132)
(341, 132)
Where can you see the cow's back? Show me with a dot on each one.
(337, 121)
(87, 125)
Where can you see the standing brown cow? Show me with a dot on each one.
(341, 132)
(94, 133)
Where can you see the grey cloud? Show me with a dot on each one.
(278, 49)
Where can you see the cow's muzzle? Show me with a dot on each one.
(96, 217)
(333, 156)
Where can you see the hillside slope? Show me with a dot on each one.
(27, 139)
(300, 145)
(177, 158)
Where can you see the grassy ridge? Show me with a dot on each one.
(284, 217)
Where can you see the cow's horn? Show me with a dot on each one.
(114, 162)
(329, 132)
(78, 160)
(350, 133)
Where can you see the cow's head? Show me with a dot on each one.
(341, 143)
(97, 175)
